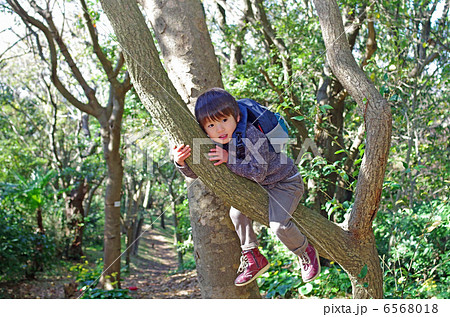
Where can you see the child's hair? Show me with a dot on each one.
(215, 104)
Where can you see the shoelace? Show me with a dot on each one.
(244, 264)
(304, 259)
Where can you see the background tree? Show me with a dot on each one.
(108, 116)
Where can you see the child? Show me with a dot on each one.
(218, 114)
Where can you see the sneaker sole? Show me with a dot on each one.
(262, 271)
(318, 271)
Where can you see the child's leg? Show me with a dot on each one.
(290, 235)
(244, 229)
(283, 200)
(253, 263)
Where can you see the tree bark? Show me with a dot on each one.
(192, 67)
(111, 131)
(351, 245)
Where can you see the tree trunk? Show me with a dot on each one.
(137, 234)
(130, 223)
(176, 234)
(221, 248)
(192, 66)
(162, 218)
(110, 130)
(352, 245)
(75, 219)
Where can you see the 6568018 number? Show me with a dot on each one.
(411, 308)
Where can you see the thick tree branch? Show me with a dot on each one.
(376, 113)
(378, 124)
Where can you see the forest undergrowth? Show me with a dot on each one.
(152, 274)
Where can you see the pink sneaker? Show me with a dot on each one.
(253, 264)
(310, 263)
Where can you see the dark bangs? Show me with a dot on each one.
(214, 105)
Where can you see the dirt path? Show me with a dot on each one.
(151, 270)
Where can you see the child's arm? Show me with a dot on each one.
(249, 167)
(218, 154)
(180, 154)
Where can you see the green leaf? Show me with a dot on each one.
(324, 108)
(297, 283)
(282, 289)
(394, 98)
(306, 289)
(298, 118)
(363, 272)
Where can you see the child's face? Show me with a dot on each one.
(221, 131)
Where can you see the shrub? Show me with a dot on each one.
(88, 278)
(23, 251)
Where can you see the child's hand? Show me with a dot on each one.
(181, 153)
(218, 154)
